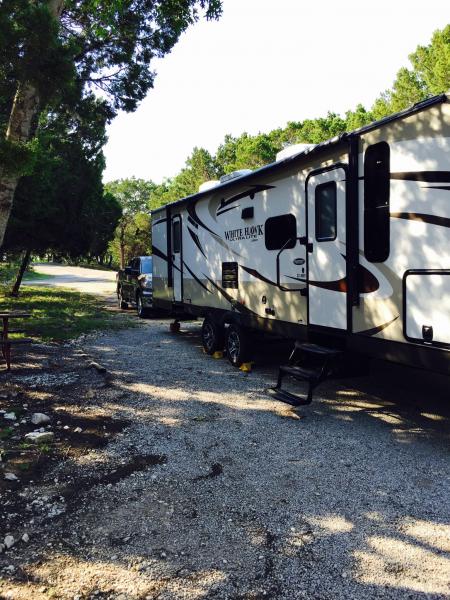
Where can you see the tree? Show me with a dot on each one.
(133, 195)
(430, 75)
(70, 214)
(56, 51)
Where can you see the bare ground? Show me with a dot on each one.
(191, 482)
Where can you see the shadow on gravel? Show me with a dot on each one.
(342, 504)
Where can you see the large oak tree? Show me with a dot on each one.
(56, 51)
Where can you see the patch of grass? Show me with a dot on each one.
(44, 448)
(33, 276)
(59, 314)
(6, 433)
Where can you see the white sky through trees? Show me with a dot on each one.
(264, 63)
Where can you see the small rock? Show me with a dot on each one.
(2, 547)
(10, 416)
(78, 430)
(39, 418)
(11, 477)
(9, 541)
(25, 538)
(37, 437)
(97, 367)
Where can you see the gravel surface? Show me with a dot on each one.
(217, 491)
(88, 281)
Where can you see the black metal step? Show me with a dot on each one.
(302, 373)
(288, 398)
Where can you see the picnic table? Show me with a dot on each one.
(5, 341)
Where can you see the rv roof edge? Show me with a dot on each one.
(223, 184)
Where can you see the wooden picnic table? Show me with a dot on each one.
(5, 340)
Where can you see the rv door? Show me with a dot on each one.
(327, 283)
(177, 259)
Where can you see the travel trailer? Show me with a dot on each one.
(343, 245)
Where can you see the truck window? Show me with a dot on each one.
(146, 264)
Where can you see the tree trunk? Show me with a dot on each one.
(22, 269)
(122, 247)
(25, 107)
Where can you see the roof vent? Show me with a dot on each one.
(234, 175)
(293, 150)
(208, 185)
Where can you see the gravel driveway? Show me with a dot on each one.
(89, 281)
(215, 491)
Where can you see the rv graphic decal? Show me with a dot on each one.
(428, 176)
(251, 193)
(431, 219)
(376, 330)
(194, 236)
(199, 281)
(244, 233)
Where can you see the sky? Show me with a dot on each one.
(265, 63)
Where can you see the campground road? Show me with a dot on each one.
(89, 281)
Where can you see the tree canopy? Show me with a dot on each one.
(56, 53)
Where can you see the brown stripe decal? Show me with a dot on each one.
(428, 176)
(376, 330)
(432, 219)
(339, 285)
(257, 275)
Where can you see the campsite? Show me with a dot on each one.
(224, 300)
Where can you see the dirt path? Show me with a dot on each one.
(89, 281)
(215, 491)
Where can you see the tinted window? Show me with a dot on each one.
(325, 202)
(176, 236)
(146, 264)
(279, 231)
(376, 202)
(230, 275)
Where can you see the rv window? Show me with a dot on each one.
(176, 236)
(279, 230)
(376, 202)
(325, 203)
(230, 275)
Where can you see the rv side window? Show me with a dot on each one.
(325, 205)
(279, 230)
(176, 236)
(230, 275)
(376, 202)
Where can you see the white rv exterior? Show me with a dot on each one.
(346, 243)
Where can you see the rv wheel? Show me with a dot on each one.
(212, 336)
(237, 345)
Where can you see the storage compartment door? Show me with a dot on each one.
(426, 301)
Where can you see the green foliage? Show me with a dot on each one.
(69, 212)
(132, 236)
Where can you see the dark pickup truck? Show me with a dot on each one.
(134, 285)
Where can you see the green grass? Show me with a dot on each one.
(59, 314)
(33, 276)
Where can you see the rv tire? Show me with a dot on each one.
(212, 336)
(237, 345)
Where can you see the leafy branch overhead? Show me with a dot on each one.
(55, 54)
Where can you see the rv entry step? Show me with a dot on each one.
(308, 362)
